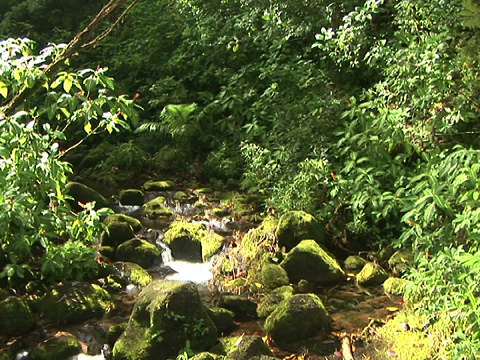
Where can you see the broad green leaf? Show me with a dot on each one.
(3, 89)
(88, 127)
(67, 84)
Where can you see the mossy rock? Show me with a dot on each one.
(180, 195)
(84, 194)
(295, 226)
(120, 229)
(274, 276)
(400, 261)
(220, 212)
(372, 274)
(56, 348)
(192, 242)
(132, 273)
(395, 286)
(152, 185)
(138, 251)
(263, 235)
(204, 191)
(108, 252)
(155, 209)
(114, 332)
(305, 287)
(74, 302)
(222, 318)
(249, 347)
(131, 197)
(311, 262)
(243, 307)
(166, 315)
(15, 317)
(297, 318)
(205, 356)
(354, 263)
(272, 300)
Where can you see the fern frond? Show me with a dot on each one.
(209, 111)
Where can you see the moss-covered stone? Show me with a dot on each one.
(274, 276)
(262, 236)
(271, 301)
(297, 318)
(295, 226)
(180, 195)
(108, 252)
(138, 251)
(152, 185)
(222, 318)
(84, 194)
(120, 228)
(354, 263)
(243, 307)
(155, 209)
(205, 356)
(166, 315)
(58, 347)
(132, 273)
(192, 242)
(131, 197)
(400, 261)
(74, 302)
(311, 262)
(114, 332)
(395, 286)
(249, 347)
(203, 191)
(15, 317)
(372, 274)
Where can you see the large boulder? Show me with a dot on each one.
(84, 194)
(273, 276)
(295, 226)
(131, 273)
(297, 318)
(271, 301)
(120, 228)
(311, 262)
(138, 251)
(167, 315)
(15, 317)
(73, 302)
(152, 185)
(155, 209)
(131, 197)
(249, 347)
(62, 346)
(192, 242)
(400, 261)
(243, 307)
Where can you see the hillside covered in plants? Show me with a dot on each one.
(362, 113)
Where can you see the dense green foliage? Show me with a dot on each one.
(362, 112)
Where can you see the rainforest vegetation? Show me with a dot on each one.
(364, 113)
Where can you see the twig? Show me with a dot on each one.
(347, 353)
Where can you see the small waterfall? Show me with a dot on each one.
(167, 257)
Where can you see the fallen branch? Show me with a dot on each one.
(347, 352)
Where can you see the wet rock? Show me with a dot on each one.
(270, 302)
(166, 315)
(155, 209)
(120, 228)
(74, 302)
(132, 273)
(400, 261)
(192, 242)
(131, 197)
(241, 306)
(15, 317)
(295, 226)
(274, 276)
(354, 263)
(84, 194)
(311, 262)
(249, 347)
(151, 185)
(395, 286)
(138, 251)
(206, 356)
(372, 274)
(297, 318)
(59, 347)
(222, 318)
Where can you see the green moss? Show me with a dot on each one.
(395, 286)
(75, 302)
(120, 228)
(295, 226)
(273, 276)
(241, 306)
(222, 318)
(185, 239)
(135, 273)
(131, 197)
(138, 251)
(156, 208)
(84, 194)
(15, 317)
(159, 185)
(297, 318)
(311, 262)
(180, 195)
(114, 332)
(400, 261)
(354, 263)
(60, 347)
(372, 274)
(204, 191)
(270, 302)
